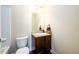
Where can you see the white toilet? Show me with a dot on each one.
(22, 45)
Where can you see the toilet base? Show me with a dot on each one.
(24, 50)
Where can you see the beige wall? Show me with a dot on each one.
(64, 21)
(35, 22)
(42, 18)
(6, 24)
(21, 23)
(0, 21)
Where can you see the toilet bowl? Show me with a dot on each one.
(24, 50)
(22, 45)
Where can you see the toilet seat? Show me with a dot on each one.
(24, 50)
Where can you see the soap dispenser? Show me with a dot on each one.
(48, 29)
(40, 28)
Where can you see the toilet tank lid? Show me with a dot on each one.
(25, 37)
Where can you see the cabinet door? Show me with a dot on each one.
(39, 44)
(48, 42)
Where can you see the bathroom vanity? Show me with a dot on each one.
(42, 42)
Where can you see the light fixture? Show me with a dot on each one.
(36, 9)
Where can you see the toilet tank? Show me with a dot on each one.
(21, 41)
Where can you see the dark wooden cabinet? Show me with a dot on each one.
(48, 42)
(39, 44)
(42, 43)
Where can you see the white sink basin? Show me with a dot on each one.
(40, 34)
